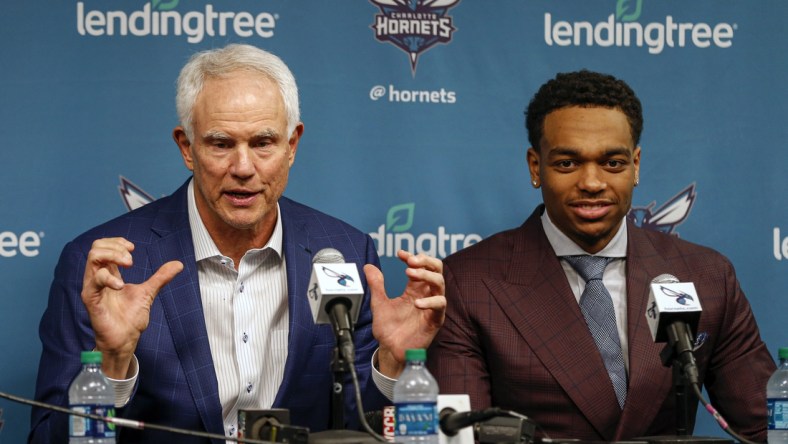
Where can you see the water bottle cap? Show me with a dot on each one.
(782, 353)
(91, 357)
(415, 354)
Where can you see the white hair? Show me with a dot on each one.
(223, 61)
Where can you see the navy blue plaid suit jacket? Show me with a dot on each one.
(177, 383)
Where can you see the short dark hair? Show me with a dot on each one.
(586, 89)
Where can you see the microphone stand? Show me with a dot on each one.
(684, 396)
(339, 368)
(677, 354)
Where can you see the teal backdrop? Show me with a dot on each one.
(414, 125)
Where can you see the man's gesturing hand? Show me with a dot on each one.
(119, 312)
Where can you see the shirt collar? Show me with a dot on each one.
(564, 246)
(205, 248)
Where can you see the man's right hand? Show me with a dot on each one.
(119, 312)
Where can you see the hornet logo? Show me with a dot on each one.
(341, 277)
(132, 195)
(680, 296)
(667, 217)
(414, 26)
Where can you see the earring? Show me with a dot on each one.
(637, 182)
(535, 183)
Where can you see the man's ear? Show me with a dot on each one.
(293, 141)
(184, 145)
(532, 158)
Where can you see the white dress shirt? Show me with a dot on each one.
(246, 317)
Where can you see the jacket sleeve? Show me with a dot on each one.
(456, 356)
(739, 366)
(65, 332)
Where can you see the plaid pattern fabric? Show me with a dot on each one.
(515, 338)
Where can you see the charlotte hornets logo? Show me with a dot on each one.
(680, 296)
(667, 217)
(414, 26)
(342, 278)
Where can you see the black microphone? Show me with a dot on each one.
(673, 313)
(491, 426)
(335, 296)
(272, 425)
(451, 421)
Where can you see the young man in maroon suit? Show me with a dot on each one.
(516, 334)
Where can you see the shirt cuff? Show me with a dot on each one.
(124, 387)
(382, 382)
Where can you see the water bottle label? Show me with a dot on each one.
(778, 413)
(86, 427)
(417, 419)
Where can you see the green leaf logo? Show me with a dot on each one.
(164, 6)
(624, 11)
(400, 217)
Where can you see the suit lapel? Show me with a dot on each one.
(182, 306)
(301, 335)
(649, 381)
(537, 299)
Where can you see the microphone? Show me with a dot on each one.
(458, 423)
(491, 426)
(673, 312)
(335, 296)
(451, 422)
(272, 425)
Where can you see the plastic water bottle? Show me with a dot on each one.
(416, 401)
(91, 392)
(777, 398)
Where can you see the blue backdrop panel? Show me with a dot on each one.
(416, 139)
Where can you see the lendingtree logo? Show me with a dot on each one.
(394, 235)
(623, 29)
(625, 12)
(164, 6)
(25, 244)
(160, 18)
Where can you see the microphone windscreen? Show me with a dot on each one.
(665, 279)
(328, 256)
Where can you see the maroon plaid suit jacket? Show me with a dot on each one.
(515, 338)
